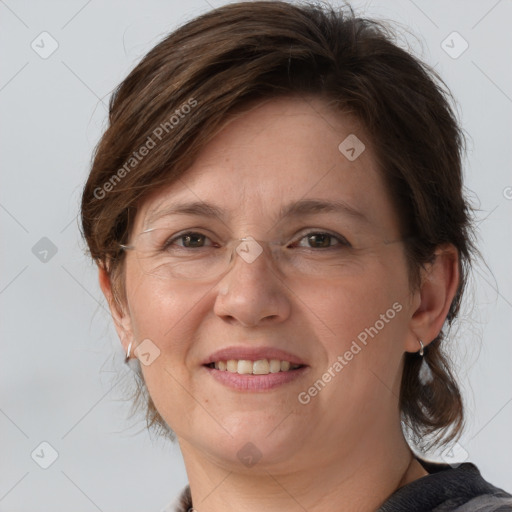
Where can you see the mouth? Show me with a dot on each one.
(258, 367)
(255, 376)
(254, 368)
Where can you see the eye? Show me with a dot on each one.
(323, 240)
(190, 240)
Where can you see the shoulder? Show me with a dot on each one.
(485, 503)
(444, 489)
(449, 489)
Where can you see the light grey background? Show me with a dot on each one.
(61, 367)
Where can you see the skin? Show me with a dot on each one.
(346, 445)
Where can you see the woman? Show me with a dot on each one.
(277, 215)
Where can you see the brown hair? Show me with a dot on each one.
(180, 94)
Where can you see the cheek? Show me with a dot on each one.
(167, 314)
(167, 317)
(364, 318)
(158, 309)
(358, 300)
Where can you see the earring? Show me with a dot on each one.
(127, 358)
(425, 373)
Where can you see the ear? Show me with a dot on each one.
(122, 320)
(439, 283)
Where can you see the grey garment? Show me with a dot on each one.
(448, 489)
(486, 504)
(445, 489)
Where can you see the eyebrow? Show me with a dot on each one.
(297, 209)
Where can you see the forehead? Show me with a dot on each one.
(274, 153)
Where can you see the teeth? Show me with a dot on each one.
(275, 365)
(260, 367)
(244, 366)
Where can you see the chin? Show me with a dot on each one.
(252, 442)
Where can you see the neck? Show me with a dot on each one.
(362, 480)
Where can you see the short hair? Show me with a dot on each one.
(183, 91)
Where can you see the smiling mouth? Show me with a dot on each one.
(259, 367)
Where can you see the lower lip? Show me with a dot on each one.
(249, 382)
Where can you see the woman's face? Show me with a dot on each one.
(348, 323)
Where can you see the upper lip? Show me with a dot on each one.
(252, 354)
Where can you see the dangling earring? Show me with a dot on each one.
(425, 373)
(127, 358)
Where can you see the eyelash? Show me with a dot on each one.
(342, 241)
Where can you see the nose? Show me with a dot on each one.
(252, 291)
